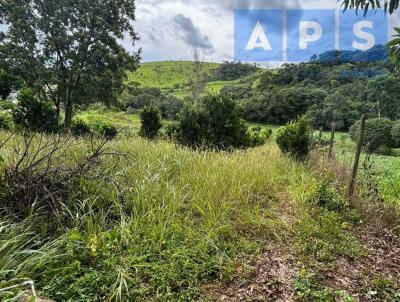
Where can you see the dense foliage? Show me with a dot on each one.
(229, 71)
(150, 122)
(335, 93)
(6, 84)
(395, 133)
(32, 114)
(377, 133)
(134, 98)
(295, 139)
(215, 123)
(83, 125)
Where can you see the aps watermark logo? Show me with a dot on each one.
(295, 35)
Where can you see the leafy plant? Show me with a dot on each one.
(258, 135)
(328, 198)
(295, 139)
(216, 124)
(32, 114)
(150, 122)
(80, 126)
(6, 121)
(307, 288)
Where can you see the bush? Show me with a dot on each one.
(214, 124)
(328, 198)
(34, 115)
(258, 135)
(80, 126)
(151, 122)
(295, 139)
(171, 130)
(395, 134)
(105, 129)
(84, 126)
(6, 122)
(377, 133)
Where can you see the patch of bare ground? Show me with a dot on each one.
(271, 280)
(381, 263)
(275, 270)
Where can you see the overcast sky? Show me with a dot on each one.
(168, 27)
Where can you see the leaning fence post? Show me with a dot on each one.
(331, 142)
(353, 179)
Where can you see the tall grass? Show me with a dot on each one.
(167, 220)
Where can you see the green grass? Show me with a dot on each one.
(173, 76)
(168, 220)
(166, 75)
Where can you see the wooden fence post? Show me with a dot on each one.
(331, 142)
(353, 179)
(320, 135)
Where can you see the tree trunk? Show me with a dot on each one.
(68, 116)
(58, 111)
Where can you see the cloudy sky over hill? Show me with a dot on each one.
(169, 27)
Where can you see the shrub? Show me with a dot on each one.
(106, 130)
(34, 115)
(377, 133)
(80, 126)
(171, 130)
(214, 124)
(151, 122)
(258, 135)
(6, 122)
(84, 126)
(295, 139)
(395, 134)
(328, 198)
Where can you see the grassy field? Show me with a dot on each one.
(167, 75)
(385, 169)
(167, 221)
(172, 77)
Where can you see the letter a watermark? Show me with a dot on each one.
(258, 39)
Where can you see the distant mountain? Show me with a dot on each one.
(375, 54)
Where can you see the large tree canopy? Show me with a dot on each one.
(69, 50)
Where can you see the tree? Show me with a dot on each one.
(377, 133)
(68, 50)
(198, 77)
(384, 93)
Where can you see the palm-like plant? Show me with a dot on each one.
(388, 5)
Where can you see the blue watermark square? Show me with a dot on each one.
(359, 32)
(309, 32)
(297, 35)
(258, 35)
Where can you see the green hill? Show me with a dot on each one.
(167, 75)
(173, 76)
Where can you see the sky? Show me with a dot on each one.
(168, 28)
